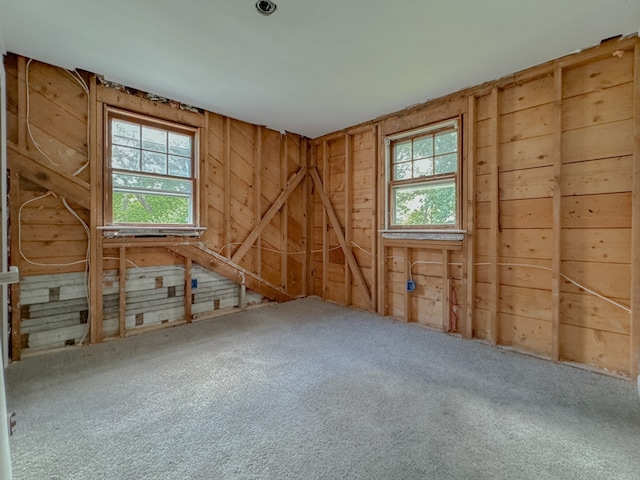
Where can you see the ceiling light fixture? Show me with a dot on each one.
(265, 7)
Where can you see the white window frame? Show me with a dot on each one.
(114, 229)
(447, 232)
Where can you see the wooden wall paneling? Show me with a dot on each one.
(258, 194)
(325, 221)
(309, 221)
(470, 217)
(635, 227)
(188, 313)
(495, 216)
(227, 186)
(557, 215)
(348, 233)
(122, 292)
(382, 251)
(96, 218)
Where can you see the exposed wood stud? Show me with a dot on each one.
(408, 313)
(284, 213)
(22, 102)
(380, 185)
(96, 218)
(203, 210)
(227, 186)
(348, 232)
(14, 200)
(374, 221)
(188, 289)
(325, 221)
(635, 227)
(557, 215)
(446, 294)
(122, 292)
(307, 223)
(495, 217)
(258, 194)
(469, 264)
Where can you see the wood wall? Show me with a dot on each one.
(244, 169)
(550, 209)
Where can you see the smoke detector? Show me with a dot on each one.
(265, 7)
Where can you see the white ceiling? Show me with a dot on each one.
(314, 66)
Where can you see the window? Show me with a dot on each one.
(423, 178)
(151, 172)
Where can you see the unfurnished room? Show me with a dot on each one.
(320, 239)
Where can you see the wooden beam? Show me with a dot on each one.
(348, 202)
(292, 183)
(307, 222)
(446, 294)
(225, 267)
(203, 174)
(188, 315)
(96, 217)
(14, 207)
(227, 185)
(469, 195)
(634, 366)
(325, 224)
(284, 214)
(257, 175)
(25, 163)
(22, 102)
(495, 217)
(122, 293)
(380, 260)
(557, 214)
(374, 223)
(337, 228)
(408, 317)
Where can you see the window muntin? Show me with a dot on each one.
(151, 171)
(423, 186)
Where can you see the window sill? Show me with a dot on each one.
(117, 231)
(437, 235)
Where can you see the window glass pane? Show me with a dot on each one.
(124, 181)
(402, 171)
(125, 133)
(447, 163)
(154, 139)
(153, 162)
(422, 167)
(446, 142)
(425, 204)
(402, 151)
(125, 158)
(179, 144)
(133, 207)
(423, 147)
(179, 166)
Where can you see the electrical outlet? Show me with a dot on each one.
(411, 285)
(194, 283)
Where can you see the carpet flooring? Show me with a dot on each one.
(311, 390)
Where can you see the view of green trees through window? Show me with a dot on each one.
(423, 185)
(151, 167)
